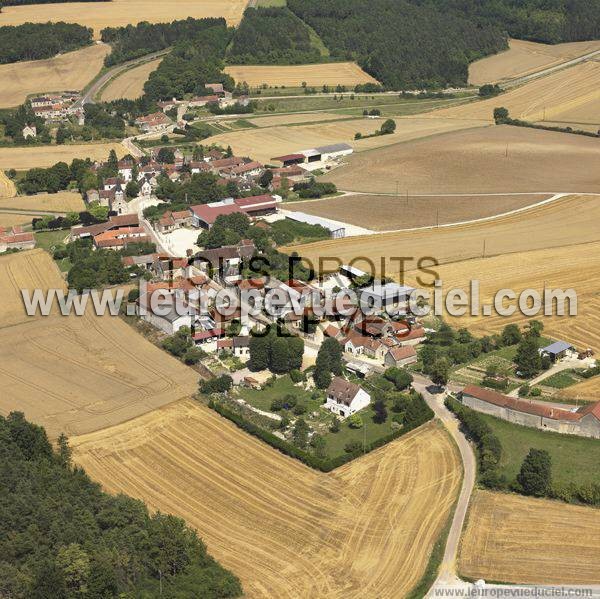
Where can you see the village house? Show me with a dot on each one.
(29, 131)
(125, 168)
(199, 167)
(224, 264)
(400, 356)
(170, 318)
(345, 398)
(120, 238)
(583, 421)
(114, 223)
(16, 239)
(157, 121)
(171, 221)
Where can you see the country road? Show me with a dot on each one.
(112, 73)
(548, 71)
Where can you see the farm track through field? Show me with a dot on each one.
(284, 529)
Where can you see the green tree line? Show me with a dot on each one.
(35, 41)
(62, 537)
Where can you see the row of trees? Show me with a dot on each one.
(535, 474)
(34, 41)
(62, 537)
(78, 175)
(276, 350)
(272, 35)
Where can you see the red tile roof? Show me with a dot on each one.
(520, 405)
(403, 353)
(209, 214)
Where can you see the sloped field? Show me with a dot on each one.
(365, 530)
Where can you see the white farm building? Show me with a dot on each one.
(336, 229)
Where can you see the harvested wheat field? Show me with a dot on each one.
(119, 13)
(7, 187)
(524, 58)
(130, 85)
(265, 143)
(335, 73)
(365, 530)
(571, 267)
(389, 213)
(71, 71)
(517, 539)
(44, 156)
(499, 159)
(11, 219)
(588, 390)
(76, 374)
(63, 201)
(533, 229)
(552, 98)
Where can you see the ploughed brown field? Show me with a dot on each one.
(389, 213)
(524, 58)
(335, 73)
(568, 221)
(365, 530)
(44, 156)
(119, 13)
(70, 71)
(130, 85)
(76, 374)
(517, 539)
(499, 159)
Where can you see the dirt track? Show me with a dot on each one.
(365, 530)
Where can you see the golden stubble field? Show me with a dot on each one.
(265, 143)
(70, 71)
(7, 187)
(130, 85)
(63, 201)
(498, 159)
(24, 158)
(517, 539)
(524, 58)
(335, 73)
(364, 530)
(570, 95)
(119, 13)
(76, 374)
(568, 221)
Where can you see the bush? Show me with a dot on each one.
(524, 390)
(299, 409)
(353, 447)
(221, 384)
(355, 421)
(297, 376)
(536, 392)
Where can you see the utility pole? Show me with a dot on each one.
(438, 218)
(397, 188)
(364, 437)
(484, 248)
(407, 198)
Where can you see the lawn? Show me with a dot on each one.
(574, 459)
(369, 432)
(263, 398)
(48, 240)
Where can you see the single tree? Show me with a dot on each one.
(535, 477)
(440, 372)
(511, 334)
(528, 359)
